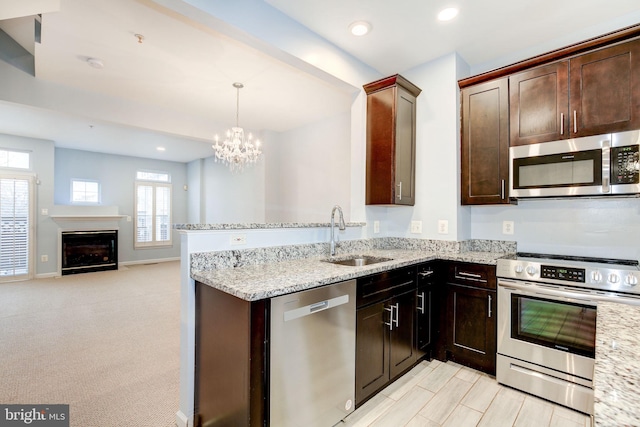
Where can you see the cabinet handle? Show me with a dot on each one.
(475, 276)
(489, 306)
(502, 190)
(575, 121)
(390, 324)
(399, 196)
(427, 273)
(397, 312)
(561, 123)
(421, 300)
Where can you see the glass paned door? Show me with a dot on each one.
(16, 202)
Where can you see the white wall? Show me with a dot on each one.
(233, 197)
(116, 175)
(308, 172)
(437, 154)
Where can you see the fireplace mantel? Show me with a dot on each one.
(59, 218)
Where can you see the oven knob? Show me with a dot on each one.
(519, 269)
(596, 276)
(613, 278)
(531, 270)
(631, 280)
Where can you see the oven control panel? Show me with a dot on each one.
(562, 273)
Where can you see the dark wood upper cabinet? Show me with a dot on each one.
(539, 104)
(485, 143)
(391, 141)
(589, 94)
(605, 90)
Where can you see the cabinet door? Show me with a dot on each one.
(605, 90)
(405, 148)
(391, 130)
(402, 354)
(423, 320)
(485, 143)
(539, 104)
(472, 336)
(372, 350)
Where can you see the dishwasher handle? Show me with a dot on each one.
(314, 308)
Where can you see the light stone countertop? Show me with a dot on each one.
(256, 282)
(617, 365)
(259, 225)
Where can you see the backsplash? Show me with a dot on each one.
(243, 257)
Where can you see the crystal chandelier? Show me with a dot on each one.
(236, 151)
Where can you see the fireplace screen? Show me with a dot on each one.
(85, 251)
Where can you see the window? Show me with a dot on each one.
(153, 176)
(83, 191)
(14, 159)
(153, 210)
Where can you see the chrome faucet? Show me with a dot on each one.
(341, 226)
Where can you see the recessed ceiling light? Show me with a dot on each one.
(160, 148)
(447, 14)
(359, 28)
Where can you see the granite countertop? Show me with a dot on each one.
(259, 225)
(617, 366)
(256, 282)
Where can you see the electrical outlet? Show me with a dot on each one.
(443, 226)
(44, 258)
(128, 218)
(44, 211)
(239, 239)
(416, 227)
(507, 227)
(376, 227)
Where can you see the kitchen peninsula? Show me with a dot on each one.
(267, 270)
(262, 272)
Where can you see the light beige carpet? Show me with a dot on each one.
(106, 343)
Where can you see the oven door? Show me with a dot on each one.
(539, 326)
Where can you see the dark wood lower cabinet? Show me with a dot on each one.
(372, 350)
(402, 349)
(231, 385)
(472, 327)
(385, 330)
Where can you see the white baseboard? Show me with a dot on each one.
(46, 275)
(148, 261)
(124, 263)
(182, 420)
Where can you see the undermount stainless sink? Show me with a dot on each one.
(357, 260)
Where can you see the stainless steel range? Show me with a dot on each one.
(547, 313)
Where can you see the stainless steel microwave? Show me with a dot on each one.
(599, 165)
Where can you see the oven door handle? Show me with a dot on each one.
(576, 296)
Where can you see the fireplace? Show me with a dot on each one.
(86, 251)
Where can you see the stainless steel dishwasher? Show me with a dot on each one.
(312, 377)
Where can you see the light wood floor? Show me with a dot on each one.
(447, 394)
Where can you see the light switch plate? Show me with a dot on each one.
(416, 227)
(376, 227)
(507, 227)
(443, 226)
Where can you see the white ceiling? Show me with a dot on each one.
(184, 67)
(406, 33)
